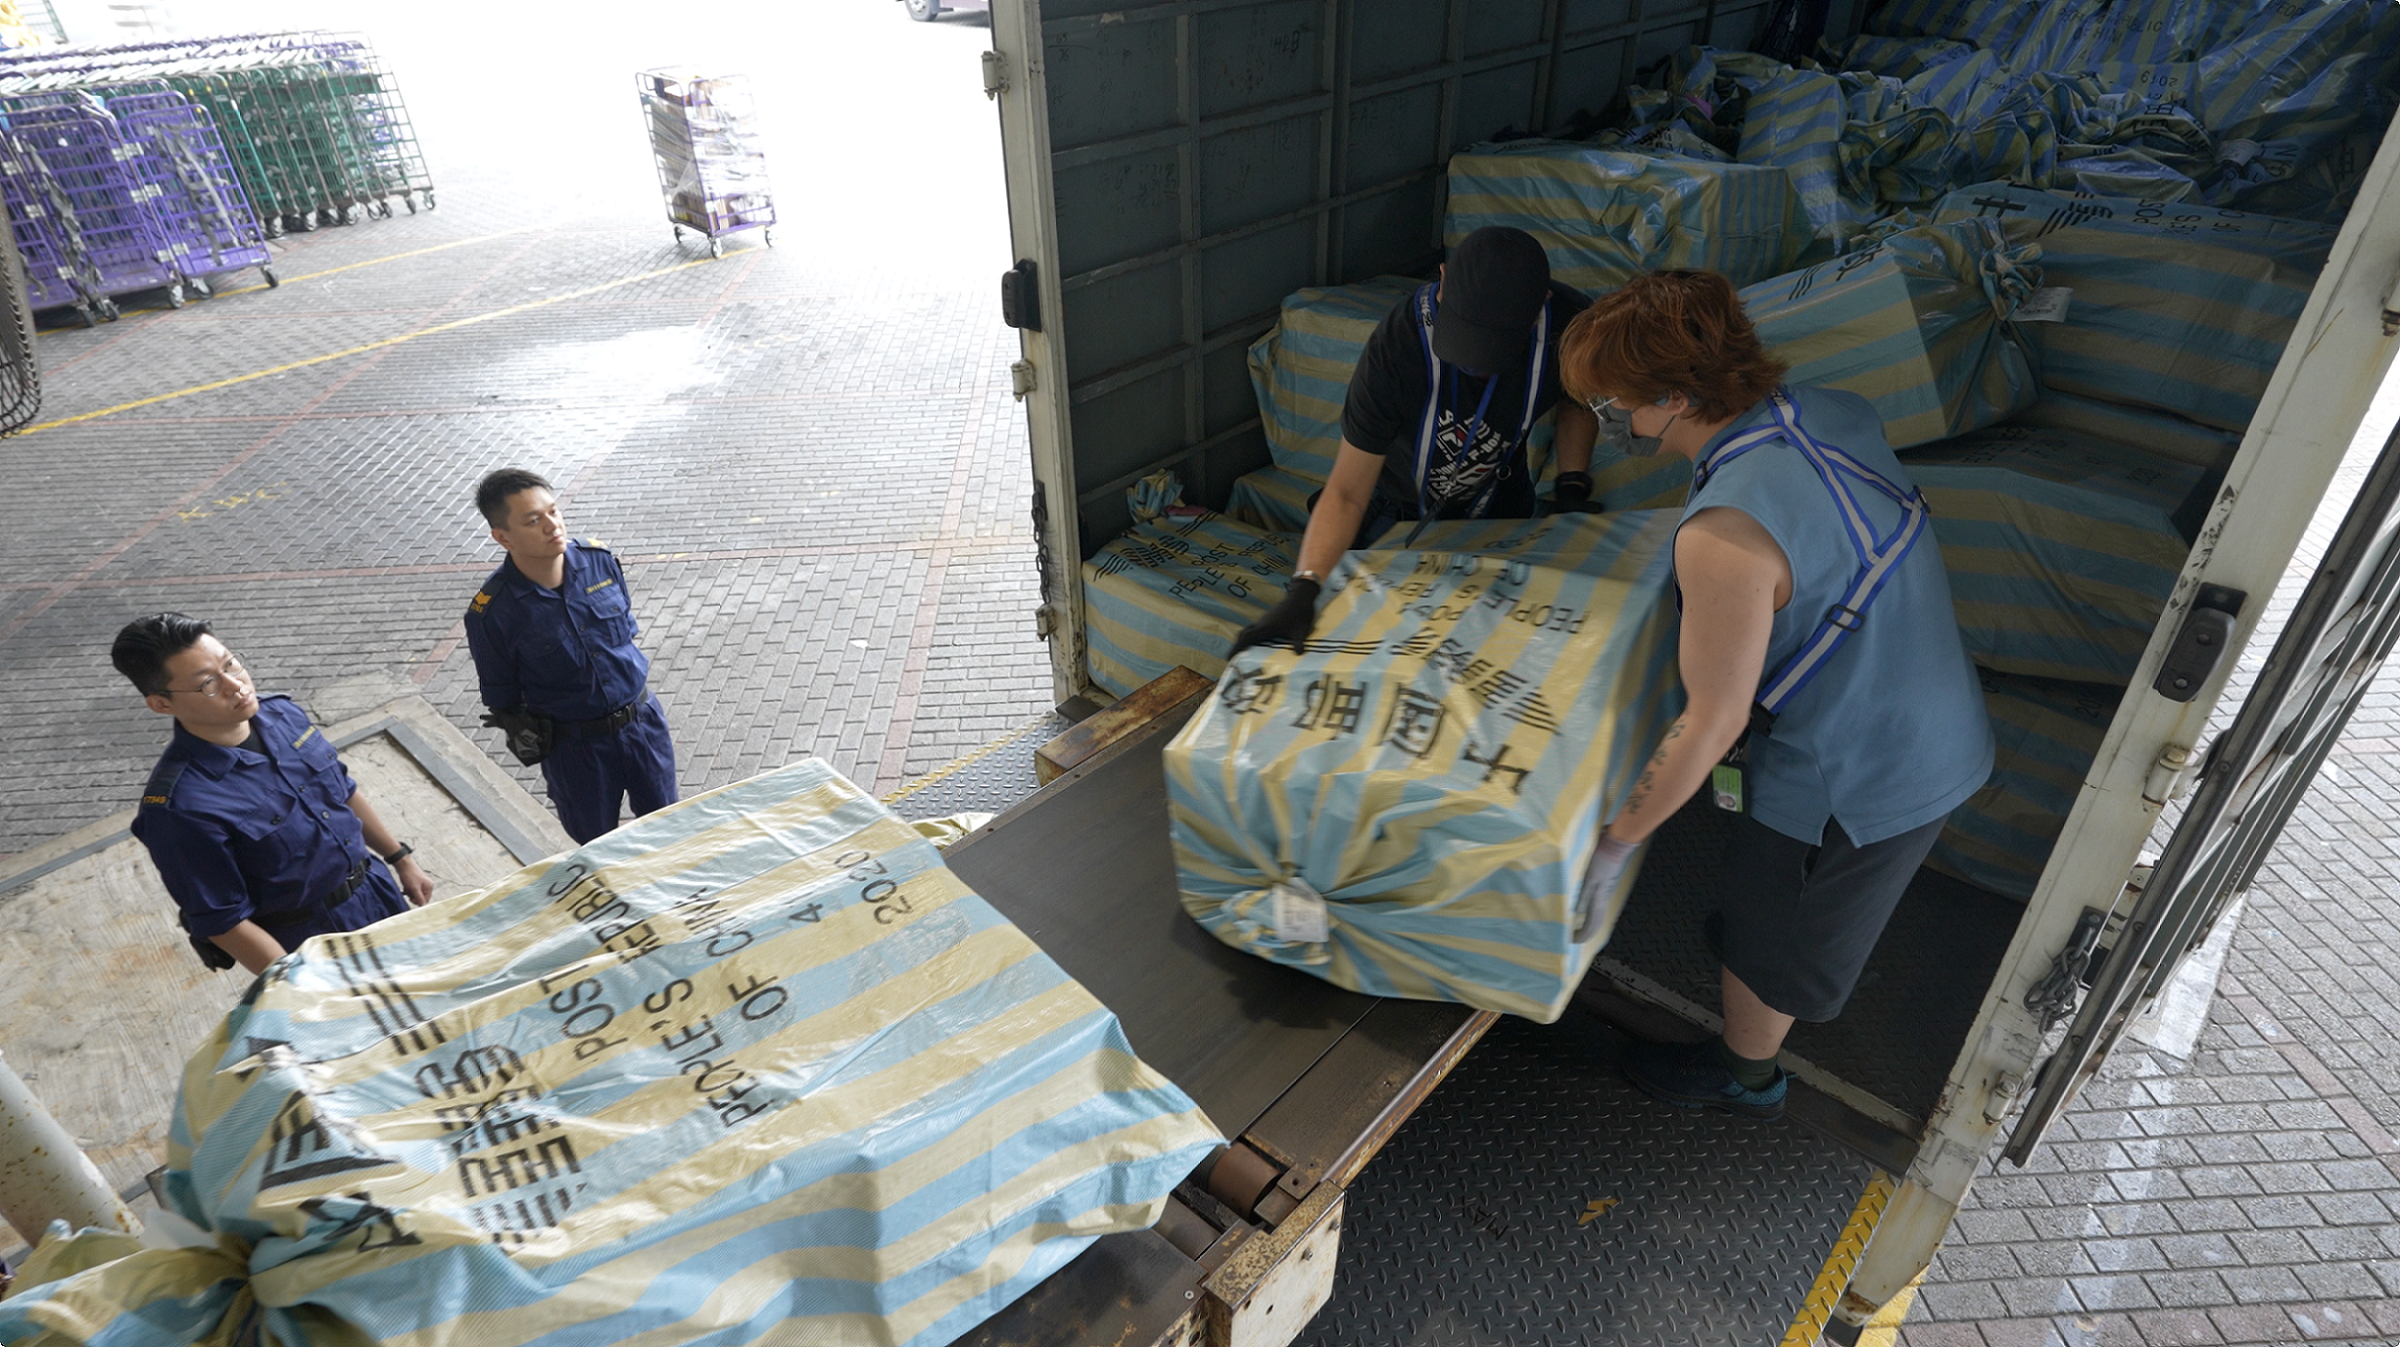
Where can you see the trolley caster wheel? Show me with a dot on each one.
(109, 310)
(767, 237)
(411, 199)
(201, 288)
(84, 315)
(303, 223)
(716, 247)
(678, 233)
(924, 11)
(272, 227)
(268, 274)
(429, 198)
(176, 298)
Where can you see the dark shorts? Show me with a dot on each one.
(1800, 920)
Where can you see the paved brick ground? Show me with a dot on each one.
(2250, 1194)
(806, 456)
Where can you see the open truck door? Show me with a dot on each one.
(1174, 170)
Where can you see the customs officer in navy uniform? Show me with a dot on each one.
(257, 828)
(552, 634)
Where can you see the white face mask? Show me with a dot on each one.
(1616, 428)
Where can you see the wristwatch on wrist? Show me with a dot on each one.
(1310, 576)
(402, 854)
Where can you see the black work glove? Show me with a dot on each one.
(1287, 623)
(1572, 493)
(530, 737)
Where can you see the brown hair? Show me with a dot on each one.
(1670, 332)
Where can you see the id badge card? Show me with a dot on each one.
(1729, 782)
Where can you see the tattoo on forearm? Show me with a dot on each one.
(1640, 793)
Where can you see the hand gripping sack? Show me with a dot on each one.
(1407, 809)
(756, 1067)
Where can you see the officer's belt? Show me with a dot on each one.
(610, 723)
(340, 895)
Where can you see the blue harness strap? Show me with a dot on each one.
(1879, 558)
(1473, 427)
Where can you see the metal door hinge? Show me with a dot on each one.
(2201, 644)
(1021, 378)
(1045, 622)
(995, 74)
(2171, 775)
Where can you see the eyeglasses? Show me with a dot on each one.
(1609, 412)
(215, 683)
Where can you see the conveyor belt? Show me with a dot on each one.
(1083, 866)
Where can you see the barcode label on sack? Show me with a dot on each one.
(2045, 305)
(1299, 913)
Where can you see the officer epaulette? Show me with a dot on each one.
(483, 600)
(162, 782)
(596, 544)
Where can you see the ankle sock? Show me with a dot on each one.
(1752, 1074)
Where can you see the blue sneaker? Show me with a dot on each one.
(1689, 1075)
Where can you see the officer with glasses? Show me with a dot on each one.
(254, 824)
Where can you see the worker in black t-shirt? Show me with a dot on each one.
(1439, 409)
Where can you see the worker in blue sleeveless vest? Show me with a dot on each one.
(552, 635)
(1440, 406)
(258, 830)
(1832, 703)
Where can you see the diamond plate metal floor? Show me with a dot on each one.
(1913, 1006)
(1538, 1199)
(986, 781)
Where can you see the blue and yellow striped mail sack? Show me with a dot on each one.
(1606, 216)
(756, 1067)
(1407, 809)
(2162, 433)
(2045, 734)
(1300, 369)
(2061, 548)
(1917, 323)
(2178, 307)
(1175, 591)
(1273, 498)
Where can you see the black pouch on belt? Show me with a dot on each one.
(530, 736)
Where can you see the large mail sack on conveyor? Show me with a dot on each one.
(1300, 370)
(1407, 809)
(2061, 548)
(1175, 590)
(2178, 307)
(1917, 324)
(754, 1068)
(1605, 216)
(2045, 735)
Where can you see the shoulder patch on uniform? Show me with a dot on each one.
(162, 781)
(483, 599)
(596, 544)
(305, 736)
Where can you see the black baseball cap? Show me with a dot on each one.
(1494, 287)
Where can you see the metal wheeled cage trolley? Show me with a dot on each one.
(20, 378)
(704, 138)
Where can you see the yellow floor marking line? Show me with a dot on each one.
(962, 764)
(1839, 1264)
(347, 266)
(1884, 1329)
(451, 326)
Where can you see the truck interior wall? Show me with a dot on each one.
(1210, 158)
